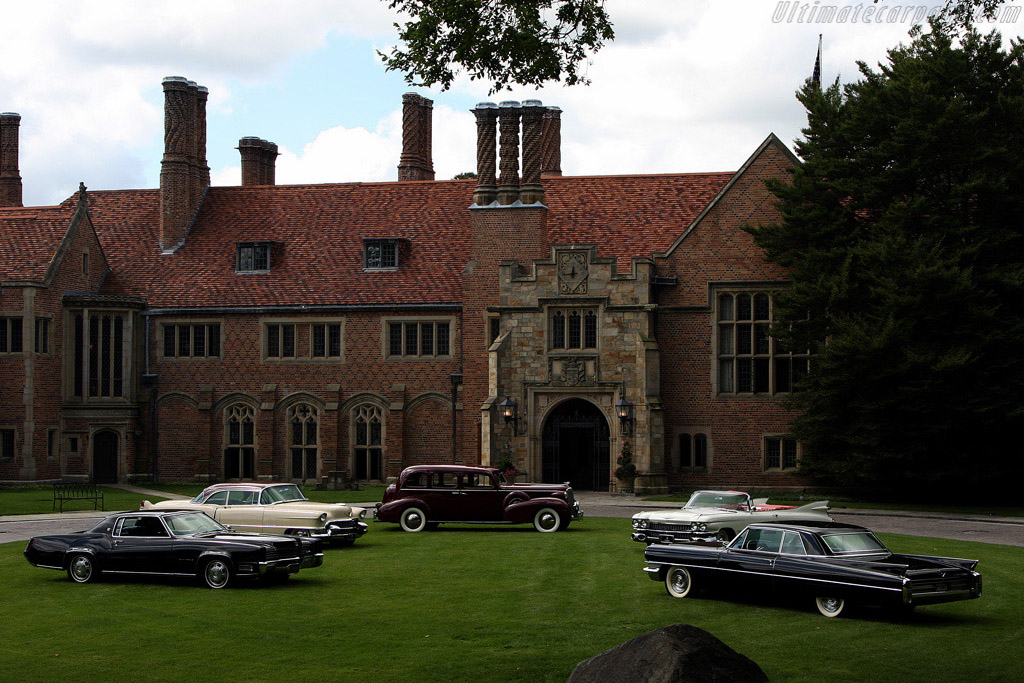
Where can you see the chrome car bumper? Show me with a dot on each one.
(283, 565)
(577, 511)
(669, 537)
(340, 531)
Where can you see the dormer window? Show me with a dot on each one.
(380, 254)
(253, 257)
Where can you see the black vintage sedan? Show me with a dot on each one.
(830, 562)
(173, 544)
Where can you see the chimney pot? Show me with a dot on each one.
(551, 156)
(532, 192)
(486, 136)
(184, 175)
(508, 123)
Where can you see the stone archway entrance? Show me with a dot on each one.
(576, 446)
(104, 457)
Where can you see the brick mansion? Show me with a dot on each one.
(296, 332)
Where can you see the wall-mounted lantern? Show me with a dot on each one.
(624, 409)
(509, 411)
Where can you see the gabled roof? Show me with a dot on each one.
(30, 239)
(318, 233)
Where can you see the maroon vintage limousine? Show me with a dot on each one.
(427, 495)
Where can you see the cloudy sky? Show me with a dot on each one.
(688, 85)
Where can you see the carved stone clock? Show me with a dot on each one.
(572, 273)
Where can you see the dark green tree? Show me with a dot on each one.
(902, 229)
(505, 42)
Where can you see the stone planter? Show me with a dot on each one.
(623, 485)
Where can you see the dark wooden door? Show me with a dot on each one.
(104, 456)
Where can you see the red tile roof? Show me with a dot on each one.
(29, 239)
(319, 232)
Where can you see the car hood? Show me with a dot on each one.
(333, 510)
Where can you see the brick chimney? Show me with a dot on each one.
(551, 156)
(532, 192)
(259, 159)
(184, 175)
(10, 178)
(417, 115)
(486, 137)
(508, 124)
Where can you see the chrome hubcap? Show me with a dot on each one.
(217, 573)
(547, 520)
(81, 568)
(830, 604)
(679, 582)
(412, 519)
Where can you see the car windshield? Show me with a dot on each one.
(192, 524)
(857, 542)
(199, 498)
(711, 499)
(281, 494)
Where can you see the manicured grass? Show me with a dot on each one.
(482, 604)
(366, 494)
(844, 502)
(32, 500)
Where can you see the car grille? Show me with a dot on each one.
(667, 526)
(282, 551)
(936, 584)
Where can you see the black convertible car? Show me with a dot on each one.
(830, 562)
(173, 544)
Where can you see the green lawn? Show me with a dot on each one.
(32, 500)
(366, 493)
(845, 502)
(481, 604)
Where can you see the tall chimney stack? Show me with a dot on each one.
(508, 124)
(551, 157)
(259, 158)
(184, 175)
(532, 192)
(486, 166)
(10, 178)
(416, 162)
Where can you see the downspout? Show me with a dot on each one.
(150, 382)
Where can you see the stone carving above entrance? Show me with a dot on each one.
(573, 271)
(572, 371)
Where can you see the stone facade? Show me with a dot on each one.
(310, 332)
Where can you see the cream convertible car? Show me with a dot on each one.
(273, 509)
(718, 515)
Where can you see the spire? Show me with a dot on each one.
(816, 74)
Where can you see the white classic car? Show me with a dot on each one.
(273, 509)
(718, 515)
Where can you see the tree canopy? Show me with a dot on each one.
(505, 42)
(902, 229)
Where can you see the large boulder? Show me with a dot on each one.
(674, 653)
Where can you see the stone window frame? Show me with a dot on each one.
(492, 328)
(72, 444)
(52, 443)
(78, 361)
(419, 320)
(367, 410)
(783, 439)
(85, 262)
(161, 331)
(305, 413)
(7, 342)
(692, 434)
(303, 339)
(47, 337)
(239, 410)
(772, 356)
(550, 331)
(258, 245)
(8, 435)
(385, 244)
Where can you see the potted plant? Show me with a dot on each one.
(507, 464)
(625, 472)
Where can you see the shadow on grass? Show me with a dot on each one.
(488, 527)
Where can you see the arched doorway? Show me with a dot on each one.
(104, 457)
(576, 446)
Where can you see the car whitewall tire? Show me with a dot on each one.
(413, 519)
(547, 520)
(829, 606)
(679, 582)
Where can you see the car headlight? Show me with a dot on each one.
(362, 514)
(643, 523)
(323, 518)
(698, 526)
